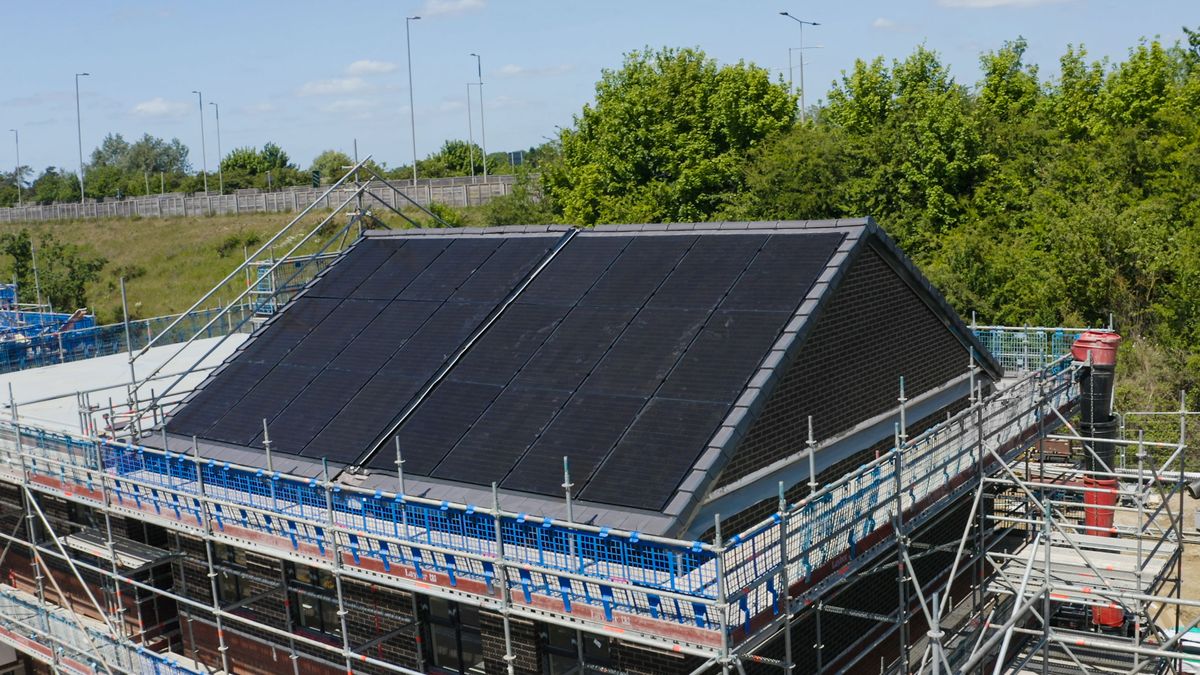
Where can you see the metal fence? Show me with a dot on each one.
(1026, 349)
(90, 342)
(457, 192)
(75, 647)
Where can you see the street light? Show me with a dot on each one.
(482, 126)
(470, 133)
(802, 24)
(203, 149)
(412, 110)
(220, 169)
(17, 170)
(79, 132)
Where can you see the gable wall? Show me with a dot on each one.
(874, 330)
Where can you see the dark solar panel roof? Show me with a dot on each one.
(492, 357)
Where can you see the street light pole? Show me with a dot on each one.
(482, 126)
(17, 170)
(79, 132)
(802, 24)
(470, 133)
(220, 169)
(203, 148)
(412, 110)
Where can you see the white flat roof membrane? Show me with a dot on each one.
(47, 395)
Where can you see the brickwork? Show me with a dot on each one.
(747, 518)
(635, 660)
(526, 645)
(372, 612)
(874, 330)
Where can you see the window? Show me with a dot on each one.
(82, 517)
(561, 653)
(312, 599)
(453, 635)
(230, 564)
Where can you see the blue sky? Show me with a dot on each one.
(317, 75)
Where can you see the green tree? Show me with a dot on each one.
(665, 138)
(332, 164)
(522, 206)
(64, 270)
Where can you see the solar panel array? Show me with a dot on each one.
(624, 354)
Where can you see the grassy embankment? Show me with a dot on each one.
(168, 263)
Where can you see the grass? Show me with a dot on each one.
(169, 263)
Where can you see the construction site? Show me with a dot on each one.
(738, 447)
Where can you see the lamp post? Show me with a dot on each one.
(203, 148)
(79, 132)
(17, 169)
(220, 169)
(802, 25)
(470, 133)
(412, 110)
(482, 126)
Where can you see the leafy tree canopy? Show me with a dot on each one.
(665, 138)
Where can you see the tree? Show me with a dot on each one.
(665, 138)
(332, 164)
(55, 186)
(522, 206)
(64, 270)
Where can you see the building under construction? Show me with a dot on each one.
(687, 448)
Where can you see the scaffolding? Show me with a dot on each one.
(719, 600)
(727, 602)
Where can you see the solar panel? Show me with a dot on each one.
(313, 408)
(637, 272)
(439, 337)
(624, 355)
(575, 348)
(337, 330)
(385, 335)
(217, 397)
(707, 272)
(508, 344)
(243, 422)
(780, 276)
(394, 275)
(451, 269)
(286, 330)
(575, 270)
(645, 352)
(362, 420)
(495, 279)
(437, 425)
(646, 467)
(724, 356)
(494, 443)
(584, 432)
(340, 280)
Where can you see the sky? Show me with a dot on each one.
(312, 76)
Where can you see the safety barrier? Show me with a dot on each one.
(85, 343)
(826, 532)
(57, 638)
(1026, 349)
(548, 565)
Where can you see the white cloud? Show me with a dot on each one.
(886, 24)
(260, 108)
(989, 4)
(450, 7)
(341, 85)
(451, 106)
(513, 70)
(161, 107)
(349, 105)
(370, 67)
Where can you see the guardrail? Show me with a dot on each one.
(827, 533)
(56, 638)
(1026, 349)
(86, 343)
(700, 595)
